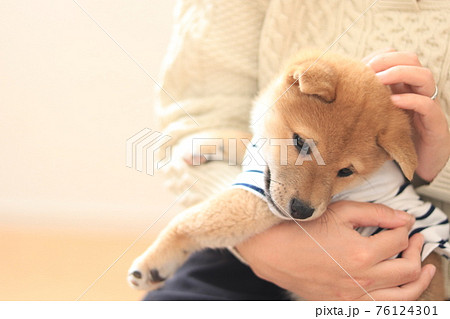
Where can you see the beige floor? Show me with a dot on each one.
(39, 264)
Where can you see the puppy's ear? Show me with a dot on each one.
(397, 141)
(316, 78)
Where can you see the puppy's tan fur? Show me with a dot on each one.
(346, 111)
(349, 115)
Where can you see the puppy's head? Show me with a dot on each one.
(338, 126)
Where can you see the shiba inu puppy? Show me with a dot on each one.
(328, 105)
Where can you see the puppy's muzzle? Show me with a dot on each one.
(299, 209)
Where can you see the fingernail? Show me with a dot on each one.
(395, 98)
(403, 215)
(380, 75)
(432, 271)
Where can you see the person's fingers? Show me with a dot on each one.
(387, 60)
(416, 102)
(398, 271)
(410, 291)
(399, 88)
(360, 214)
(432, 117)
(414, 248)
(369, 57)
(419, 78)
(388, 243)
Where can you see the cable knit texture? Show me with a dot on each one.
(223, 51)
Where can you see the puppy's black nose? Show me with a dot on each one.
(300, 210)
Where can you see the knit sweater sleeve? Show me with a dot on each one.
(209, 78)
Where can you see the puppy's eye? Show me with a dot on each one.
(300, 144)
(345, 172)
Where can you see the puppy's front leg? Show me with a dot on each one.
(225, 220)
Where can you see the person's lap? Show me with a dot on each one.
(216, 275)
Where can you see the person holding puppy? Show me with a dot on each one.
(221, 54)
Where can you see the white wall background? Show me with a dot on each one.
(69, 99)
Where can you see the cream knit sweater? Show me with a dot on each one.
(223, 51)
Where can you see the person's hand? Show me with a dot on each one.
(291, 258)
(412, 86)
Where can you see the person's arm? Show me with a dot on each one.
(209, 79)
(289, 255)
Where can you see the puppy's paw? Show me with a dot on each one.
(143, 277)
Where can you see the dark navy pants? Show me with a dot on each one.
(216, 275)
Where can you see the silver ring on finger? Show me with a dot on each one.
(435, 94)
